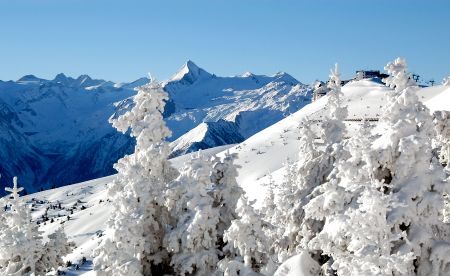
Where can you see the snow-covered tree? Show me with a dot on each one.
(411, 173)
(54, 250)
(20, 241)
(299, 180)
(333, 128)
(133, 244)
(442, 137)
(248, 235)
(269, 207)
(286, 190)
(193, 240)
(312, 170)
(353, 207)
(382, 206)
(226, 190)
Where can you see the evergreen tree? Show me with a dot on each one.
(57, 247)
(411, 174)
(442, 137)
(20, 241)
(354, 207)
(382, 207)
(133, 244)
(193, 240)
(269, 206)
(333, 128)
(226, 190)
(314, 167)
(248, 234)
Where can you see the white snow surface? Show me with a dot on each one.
(260, 155)
(299, 265)
(265, 152)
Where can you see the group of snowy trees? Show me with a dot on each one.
(164, 220)
(22, 251)
(372, 204)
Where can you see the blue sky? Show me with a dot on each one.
(123, 40)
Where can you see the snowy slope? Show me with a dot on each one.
(267, 151)
(260, 155)
(56, 132)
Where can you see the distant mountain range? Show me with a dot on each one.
(56, 132)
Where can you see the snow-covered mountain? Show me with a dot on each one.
(259, 156)
(240, 105)
(207, 135)
(56, 132)
(253, 102)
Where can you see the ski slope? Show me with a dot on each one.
(265, 152)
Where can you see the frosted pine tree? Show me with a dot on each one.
(412, 175)
(269, 207)
(300, 179)
(353, 207)
(285, 197)
(20, 241)
(248, 236)
(383, 205)
(54, 250)
(313, 169)
(134, 237)
(226, 190)
(442, 137)
(192, 242)
(333, 128)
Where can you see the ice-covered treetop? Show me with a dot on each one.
(145, 118)
(335, 78)
(335, 94)
(14, 190)
(399, 78)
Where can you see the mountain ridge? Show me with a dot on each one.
(61, 124)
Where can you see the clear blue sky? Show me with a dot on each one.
(123, 40)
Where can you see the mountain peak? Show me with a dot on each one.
(61, 77)
(191, 65)
(190, 73)
(84, 78)
(30, 78)
(247, 74)
(283, 76)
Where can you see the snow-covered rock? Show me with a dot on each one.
(207, 135)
